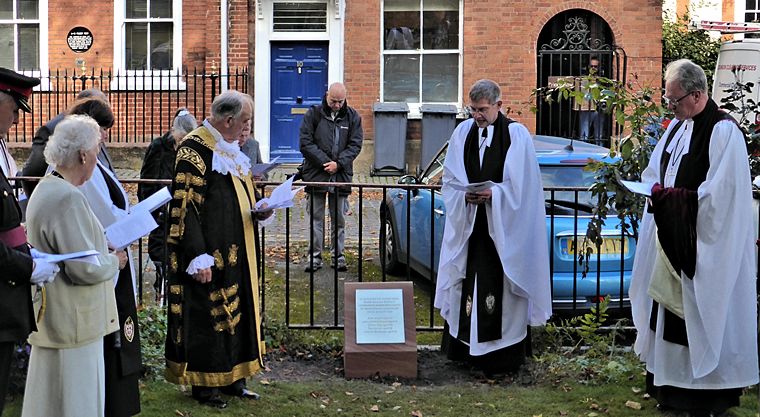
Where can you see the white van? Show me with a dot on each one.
(737, 61)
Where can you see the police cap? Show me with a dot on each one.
(18, 86)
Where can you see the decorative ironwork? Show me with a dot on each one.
(576, 38)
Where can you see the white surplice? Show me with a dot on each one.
(99, 198)
(517, 225)
(719, 302)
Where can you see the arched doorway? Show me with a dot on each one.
(566, 46)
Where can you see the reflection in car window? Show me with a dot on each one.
(567, 176)
(434, 173)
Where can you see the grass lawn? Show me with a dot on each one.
(333, 396)
(584, 383)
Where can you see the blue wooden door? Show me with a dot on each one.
(299, 80)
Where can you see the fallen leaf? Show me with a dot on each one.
(538, 415)
(592, 414)
(646, 396)
(396, 384)
(374, 408)
(390, 391)
(416, 413)
(264, 382)
(349, 393)
(594, 406)
(396, 408)
(179, 413)
(636, 390)
(633, 405)
(563, 413)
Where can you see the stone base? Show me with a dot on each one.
(383, 359)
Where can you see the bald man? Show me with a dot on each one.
(331, 138)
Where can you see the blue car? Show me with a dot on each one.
(567, 217)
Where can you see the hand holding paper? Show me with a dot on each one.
(472, 188)
(281, 197)
(643, 188)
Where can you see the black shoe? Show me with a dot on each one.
(214, 401)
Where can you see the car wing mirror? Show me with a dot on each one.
(409, 180)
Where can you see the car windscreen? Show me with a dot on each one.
(554, 176)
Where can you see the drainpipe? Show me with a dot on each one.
(224, 66)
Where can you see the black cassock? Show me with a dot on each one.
(121, 350)
(213, 337)
(481, 253)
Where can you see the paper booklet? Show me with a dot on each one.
(643, 188)
(472, 188)
(281, 197)
(261, 169)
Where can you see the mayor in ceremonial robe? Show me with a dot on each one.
(213, 341)
(693, 284)
(493, 275)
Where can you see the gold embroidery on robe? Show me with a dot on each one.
(232, 255)
(224, 293)
(226, 309)
(191, 156)
(175, 308)
(175, 289)
(218, 260)
(228, 325)
(173, 263)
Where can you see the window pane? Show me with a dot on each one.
(402, 24)
(161, 45)
(6, 46)
(27, 9)
(29, 52)
(137, 9)
(161, 8)
(750, 5)
(6, 9)
(440, 75)
(136, 44)
(440, 30)
(401, 78)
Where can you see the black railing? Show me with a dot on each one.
(143, 102)
(314, 300)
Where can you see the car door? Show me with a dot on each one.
(428, 217)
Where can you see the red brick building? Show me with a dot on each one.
(412, 51)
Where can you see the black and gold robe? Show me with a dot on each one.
(213, 336)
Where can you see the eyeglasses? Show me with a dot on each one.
(674, 103)
(482, 110)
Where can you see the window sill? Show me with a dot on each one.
(158, 80)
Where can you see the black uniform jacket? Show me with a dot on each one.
(16, 314)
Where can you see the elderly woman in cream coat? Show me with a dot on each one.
(66, 369)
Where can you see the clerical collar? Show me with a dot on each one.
(489, 136)
(227, 157)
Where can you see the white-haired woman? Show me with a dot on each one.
(66, 368)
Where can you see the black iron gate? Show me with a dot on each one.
(566, 47)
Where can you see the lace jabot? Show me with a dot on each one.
(228, 159)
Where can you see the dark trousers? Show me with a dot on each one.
(6, 357)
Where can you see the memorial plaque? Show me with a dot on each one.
(379, 316)
(379, 329)
(79, 39)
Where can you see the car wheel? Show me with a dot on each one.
(392, 264)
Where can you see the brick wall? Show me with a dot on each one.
(141, 115)
(500, 40)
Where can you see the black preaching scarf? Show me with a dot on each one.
(482, 256)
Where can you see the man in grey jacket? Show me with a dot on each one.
(331, 138)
